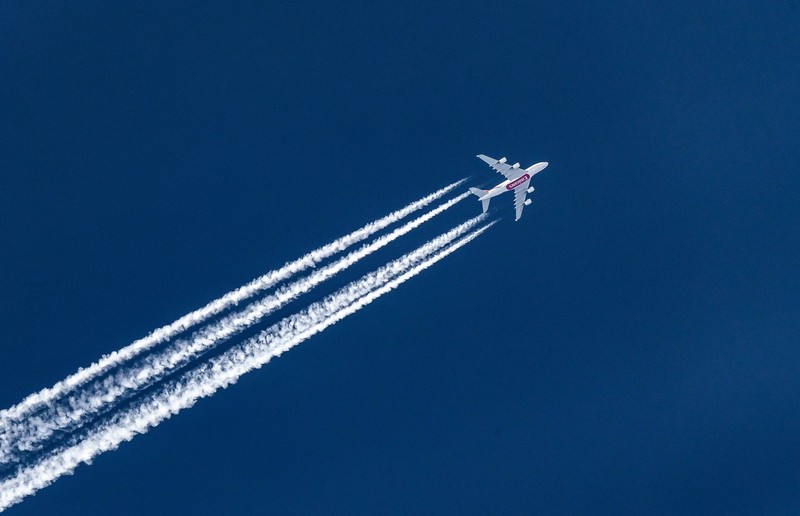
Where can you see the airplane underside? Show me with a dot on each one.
(517, 181)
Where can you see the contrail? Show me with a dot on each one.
(107, 362)
(30, 435)
(225, 369)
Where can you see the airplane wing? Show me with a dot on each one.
(501, 166)
(520, 193)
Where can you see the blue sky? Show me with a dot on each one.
(628, 347)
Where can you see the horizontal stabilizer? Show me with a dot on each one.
(477, 191)
(480, 193)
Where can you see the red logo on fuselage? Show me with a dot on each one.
(515, 183)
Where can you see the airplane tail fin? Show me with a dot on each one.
(481, 193)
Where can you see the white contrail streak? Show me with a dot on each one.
(107, 362)
(225, 369)
(29, 435)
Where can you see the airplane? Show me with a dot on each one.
(516, 179)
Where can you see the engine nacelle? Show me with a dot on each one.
(501, 160)
(516, 165)
(530, 190)
(528, 202)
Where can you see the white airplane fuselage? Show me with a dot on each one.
(509, 185)
(506, 186)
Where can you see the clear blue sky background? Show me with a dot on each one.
(629, 347)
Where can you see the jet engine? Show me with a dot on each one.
(516, 165)
(530, 190)
(528, 202)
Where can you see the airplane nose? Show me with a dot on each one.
(538, 167)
